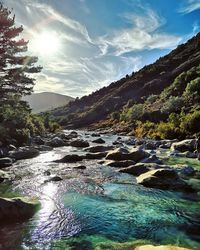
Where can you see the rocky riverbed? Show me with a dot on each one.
(100, 191)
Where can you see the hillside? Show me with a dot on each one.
(40, 102)
(134, 89)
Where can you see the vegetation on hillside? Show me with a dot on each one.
(153, 99)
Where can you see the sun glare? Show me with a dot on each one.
(46, 43)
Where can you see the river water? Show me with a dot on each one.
(97, 207)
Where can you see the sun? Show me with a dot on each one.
(46, 43)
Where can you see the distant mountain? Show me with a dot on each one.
(45, 101)
(136, 88)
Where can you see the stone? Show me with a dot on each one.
(185, 145)
(95, 135)
(56, 142)
(38, 140)
(166, 179)
(5, 162)
(17, 209)
(43, 148)
(135, 170)
(80, 144)
(120, 164)
(11, 147)
(152, 159)
(24, 153)
(150, 145)
(94, 156)
(70, 159)
(4, 176)
(54, 178)
(96, 149)
(121, 154)
(99, 140)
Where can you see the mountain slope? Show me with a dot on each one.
(40, 102)
(151, 79)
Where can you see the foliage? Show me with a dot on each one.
(173, 104)
(133, 113)
(191, 123)
(16, 120)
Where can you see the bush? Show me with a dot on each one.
(173, 104)
(193, 87)
(191, 123)
(151, 99)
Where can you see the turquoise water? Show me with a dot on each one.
(121, 213)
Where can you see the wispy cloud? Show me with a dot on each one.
(143, 34)
(190, 6)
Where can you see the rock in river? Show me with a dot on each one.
(16, 209)
(166, 179)
(5, 162)
(121, 154)
(99, 140)
(80, 144)
(70, 159)
(24, 153)
(185, 145)
(99, 148)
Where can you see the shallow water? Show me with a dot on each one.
(96, 205)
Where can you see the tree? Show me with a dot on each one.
(16, 120)
(15, 67)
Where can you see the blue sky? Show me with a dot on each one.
(100, 41)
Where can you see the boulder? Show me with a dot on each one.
(152, 159)
(80, 144)
(5, 162)
(166, 247)
(135, 170)
(99, 148)
(94, 156)
(166, 179)
(38, 140)
(120, 164)
(11, 147)
(185, 145)
(150, 145)
(70, 159)
(17, 209)
(121, 154)
(54, 178)
(187, 154)
(56, 142)
(4, 176)
(95, 135)
(24, 153)
(99, 140)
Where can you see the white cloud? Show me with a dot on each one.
(143, 34)
(190, 6)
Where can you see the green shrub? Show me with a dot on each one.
(173, 104)
(191, 123)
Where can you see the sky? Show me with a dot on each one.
(84, 45)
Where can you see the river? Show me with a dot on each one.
(96, 207)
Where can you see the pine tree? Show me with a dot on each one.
(15, 67)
